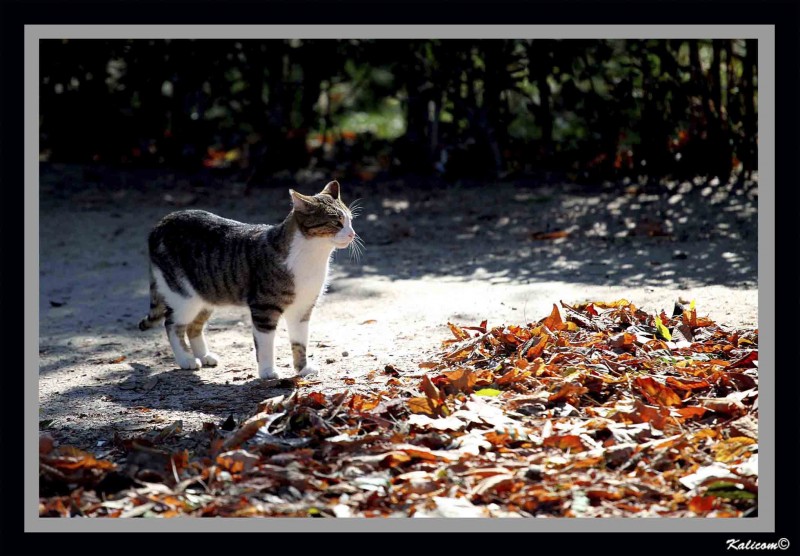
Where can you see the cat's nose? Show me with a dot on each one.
(351, 234)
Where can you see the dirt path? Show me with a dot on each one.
(461, 254)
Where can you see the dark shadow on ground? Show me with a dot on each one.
(136, 394)
(690, 233)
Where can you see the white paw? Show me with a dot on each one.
(308, 370)
(267, 373)
(189, 363)
(210, 359)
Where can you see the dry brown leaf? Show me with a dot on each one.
(569, 392)
(458, 332)
(570, 442)
(553, 321)
(655, 392)
(558, 234)
(536, 350)
(245, 432)
(425, 406)
(733, 448)
(685, 383)
(496, 483)
(462, 380)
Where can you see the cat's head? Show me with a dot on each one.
(324, 216)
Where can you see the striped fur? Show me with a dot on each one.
(199, 261)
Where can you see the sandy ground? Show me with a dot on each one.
(462, 254)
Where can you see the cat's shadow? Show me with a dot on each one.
(146, 390)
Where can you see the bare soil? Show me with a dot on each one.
(435, 253)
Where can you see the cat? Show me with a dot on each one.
(199, 261)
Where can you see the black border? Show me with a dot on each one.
(14, 14)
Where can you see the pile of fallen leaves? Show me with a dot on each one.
(597, 410)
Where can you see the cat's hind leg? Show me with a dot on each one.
(197, 339)
(176, 325)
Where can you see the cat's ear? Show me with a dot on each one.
(332, 189)
(300, 202)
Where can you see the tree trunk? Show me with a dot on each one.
(718, 132)
(750, 109)
(494, 129)
(541, 66)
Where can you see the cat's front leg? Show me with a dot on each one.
(265, 321)
(297, 324)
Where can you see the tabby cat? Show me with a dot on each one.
(199, 261)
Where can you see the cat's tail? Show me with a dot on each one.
(157, 306)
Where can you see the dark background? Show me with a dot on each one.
(261, 110)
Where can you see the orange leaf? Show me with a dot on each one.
(702, 504)
(514, 375)
(428, 388)
(396, 458)
(317, 399)
(612, 305)
(70, 458)
(558, 234)
(655, 392)
(569, 442)
(463, 379)
(597, 494)
(642, 413)
(538, 367)
(554, 322)
(536, 351)
(623, 339)
(423, 453)
(687, 383)
(496, 483)
(568, 392)
(496, 438)
(458, 332)
(426, 406)
(690, 412)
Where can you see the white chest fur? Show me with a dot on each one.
(308, 261)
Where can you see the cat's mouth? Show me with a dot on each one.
(342, 244)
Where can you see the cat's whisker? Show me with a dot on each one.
(356, 248)
(355, 207)
(355, 252)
